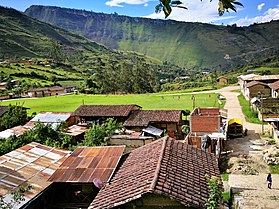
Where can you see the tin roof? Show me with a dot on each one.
(51, 117)
(32, 165)
(88, 163)
(164, 167)
(105, 110)
(265, 77)
(253, 83)
(18, 130)
(142, 118)
(247, 77)
(76, 130)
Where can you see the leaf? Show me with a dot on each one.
(182, 7)
(176, 2)
(167, 10)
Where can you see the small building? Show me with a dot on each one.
(168, 120)
(222, 80)
(274, 89)
(254, 88)
(163, 174)
(269, 108)
(30, 165)
(45, 92)
(76, 132)
(86, 114)
(17, 131)
(69, 89)
(243, 80)
(53, 118)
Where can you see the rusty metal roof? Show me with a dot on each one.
(76, 130)
(87, 163)
(265, 77)
(18, 130)
(32, 165)
(275, 85)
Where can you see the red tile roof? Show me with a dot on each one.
(164, 167)
(87, 163)
(253, 83)
(105, 110)
(143, 117)
(275, 85)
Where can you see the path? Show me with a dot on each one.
(253, 191)
(234, 108)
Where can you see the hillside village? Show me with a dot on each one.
(104, 111)
(158, 158)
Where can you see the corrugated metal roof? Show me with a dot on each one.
(76, 130)
(88, 163)
(265, 77)
(247, 77)
(51, 117)
(18, 130)
(32, 165)
(153, 130)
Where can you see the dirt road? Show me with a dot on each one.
(234, 108)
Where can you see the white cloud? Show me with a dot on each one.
(146, 5)
(119, 3)
(260, 6)
(198, 11)
(271, 14)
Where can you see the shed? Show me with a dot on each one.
(222, 80)
(235, 127)
(54, 118)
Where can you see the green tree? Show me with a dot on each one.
(97, 134)
(15, 115)
(215, 197)
(167, 5)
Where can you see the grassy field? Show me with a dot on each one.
(250, 115)
(148, 101)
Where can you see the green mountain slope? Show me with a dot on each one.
(187, 44)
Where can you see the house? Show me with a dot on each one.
(273, 128)
(208, 129)
(31, 165)
(222, 80)
(168, 120)
(78, 179)
(45, 92)
(69, 89)
(274, 89)
(131, 139)
(163, 174)
(269, 108)
(86, 114)
(76, 132)
(53, 118)
(256, 89)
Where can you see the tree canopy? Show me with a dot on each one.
(167, 5)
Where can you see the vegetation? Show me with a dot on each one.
(166, 6)
(274, 169)
(98, 133)
(14, 116)
(17, 196)
(215, 197)
(158, 101)
(250, 114)
(204, 46)
(41, 133)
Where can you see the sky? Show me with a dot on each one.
(254, 11)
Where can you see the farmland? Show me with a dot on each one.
(147, 101)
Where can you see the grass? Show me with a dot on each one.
(226, 196)
(274, 169)
(148, 101)
(225, 176)
(250, 114)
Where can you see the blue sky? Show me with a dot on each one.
(205, 11)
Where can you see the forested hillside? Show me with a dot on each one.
(191, 45)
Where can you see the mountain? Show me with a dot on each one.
(191, 45)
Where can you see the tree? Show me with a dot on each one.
(15, 115)
(215, 197)
(167, 5)
(96, 135)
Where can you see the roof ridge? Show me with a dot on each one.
(153, 183)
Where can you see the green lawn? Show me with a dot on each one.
(147, 101)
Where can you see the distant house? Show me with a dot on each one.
(17, 131)
(168, 120)
(274, 89)
(256, 89)
(69, 89)
(207, 129)
(222, 80)
(53, 118)
(31, 165)
(86, 114)
(163, 174)
(243, 80)
(45, 92)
